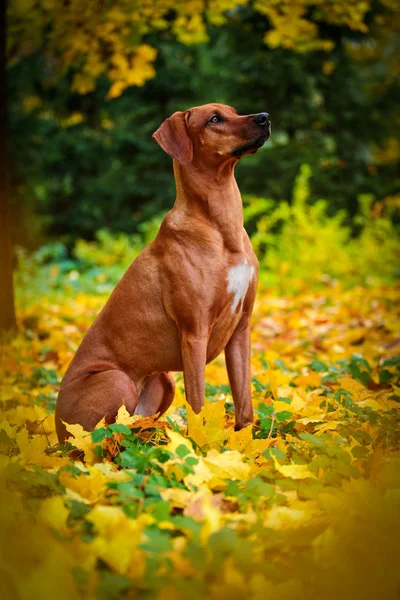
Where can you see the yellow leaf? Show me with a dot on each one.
(280, 406)
(297, 402)
(239, 440)
(294, 471)
(284, 517)
(82, 440)
(312, 379)
(124, 418)
(372, 404)
(90, 485)
(327, 426)
(10, 430)
(201, 474)
(54, 513)
(83, 83)
(328, 67)
(111, 471)
(356, 388)
(226, 466)
(203, 507)
(208, 427)
(179, 398)
(176, 440)
(312, 419)
(273, 38)
(179, 498)
(273, 382)
(243, 442)
(212, 520)
(32, 451)
(216, 373)
(118, 539)
(116, 89)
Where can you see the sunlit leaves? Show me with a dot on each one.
(91, 42)
(208, 427)
(305, 502)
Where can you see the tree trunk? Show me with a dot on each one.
(7, 310)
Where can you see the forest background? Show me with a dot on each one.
(88, 87)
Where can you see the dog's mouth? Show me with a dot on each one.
(252, 146)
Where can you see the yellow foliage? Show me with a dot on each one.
(82, 440)
(304, 503)
(228, 465)
(53, 513)
(109, 40)
(294, 471)
(88, 486)
(117, 543)
(208, 427)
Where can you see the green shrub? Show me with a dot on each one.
(117, 248)
(301, 242)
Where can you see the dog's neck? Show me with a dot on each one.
(214, 198)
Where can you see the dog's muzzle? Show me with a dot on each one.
(259, 139)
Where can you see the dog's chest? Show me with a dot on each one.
(235, 286)
(238, 280)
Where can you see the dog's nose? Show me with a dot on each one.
(262, 118)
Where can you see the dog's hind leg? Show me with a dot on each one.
(157, 395)
(90, 398)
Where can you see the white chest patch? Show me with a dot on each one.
(239, 278)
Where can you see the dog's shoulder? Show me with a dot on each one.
(178, 228)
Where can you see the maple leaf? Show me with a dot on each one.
(117, 542)
(54, 513)
(82, 440)
(88, 485)
(243, 442)
(294, 471)
(208, 427)
(228, 465)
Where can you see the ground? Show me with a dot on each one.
(304, 504)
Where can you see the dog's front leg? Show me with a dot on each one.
(238, 355)
(194, 354)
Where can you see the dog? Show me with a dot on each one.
(188, 295)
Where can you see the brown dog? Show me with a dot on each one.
(188, 296)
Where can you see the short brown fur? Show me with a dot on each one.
(172, 311)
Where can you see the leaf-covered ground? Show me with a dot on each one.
(306, 504)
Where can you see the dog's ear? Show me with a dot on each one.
(174, 138)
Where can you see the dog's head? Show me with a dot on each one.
(212, 133)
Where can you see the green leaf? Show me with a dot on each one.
(311, 439)
(78, 510)
(265, 410)
(182, 451)
(274, 452)
(319, 366)
(112, 586)
(359, 451)
(120, 428)
(283, 415)
(98, 435)
(156, 541)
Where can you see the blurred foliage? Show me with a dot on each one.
(83, 161)
(298, 240)
(299, 246)
(92, 39)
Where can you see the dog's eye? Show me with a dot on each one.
(215, 119)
